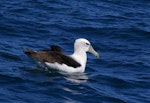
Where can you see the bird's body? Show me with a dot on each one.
(55, 59)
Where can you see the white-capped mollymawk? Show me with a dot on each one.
(55, 59)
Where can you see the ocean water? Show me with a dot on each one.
(118, 29)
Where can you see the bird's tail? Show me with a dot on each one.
(28, 51)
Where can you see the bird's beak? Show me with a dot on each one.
(91, 50)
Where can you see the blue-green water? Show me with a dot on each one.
(119, 30)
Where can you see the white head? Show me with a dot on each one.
(84, 45)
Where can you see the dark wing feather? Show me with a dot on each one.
(53, 56)
(54, 48)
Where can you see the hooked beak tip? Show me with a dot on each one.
(97, 55)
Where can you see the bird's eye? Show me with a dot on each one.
(87, 44)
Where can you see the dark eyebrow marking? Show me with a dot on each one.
(87, 44)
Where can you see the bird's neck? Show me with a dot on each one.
(80, 56)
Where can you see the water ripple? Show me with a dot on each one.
(118, 30)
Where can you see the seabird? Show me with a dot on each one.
(56, 59)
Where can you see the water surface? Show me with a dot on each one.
(119, 30)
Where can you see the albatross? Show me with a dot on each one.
(56, 59)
